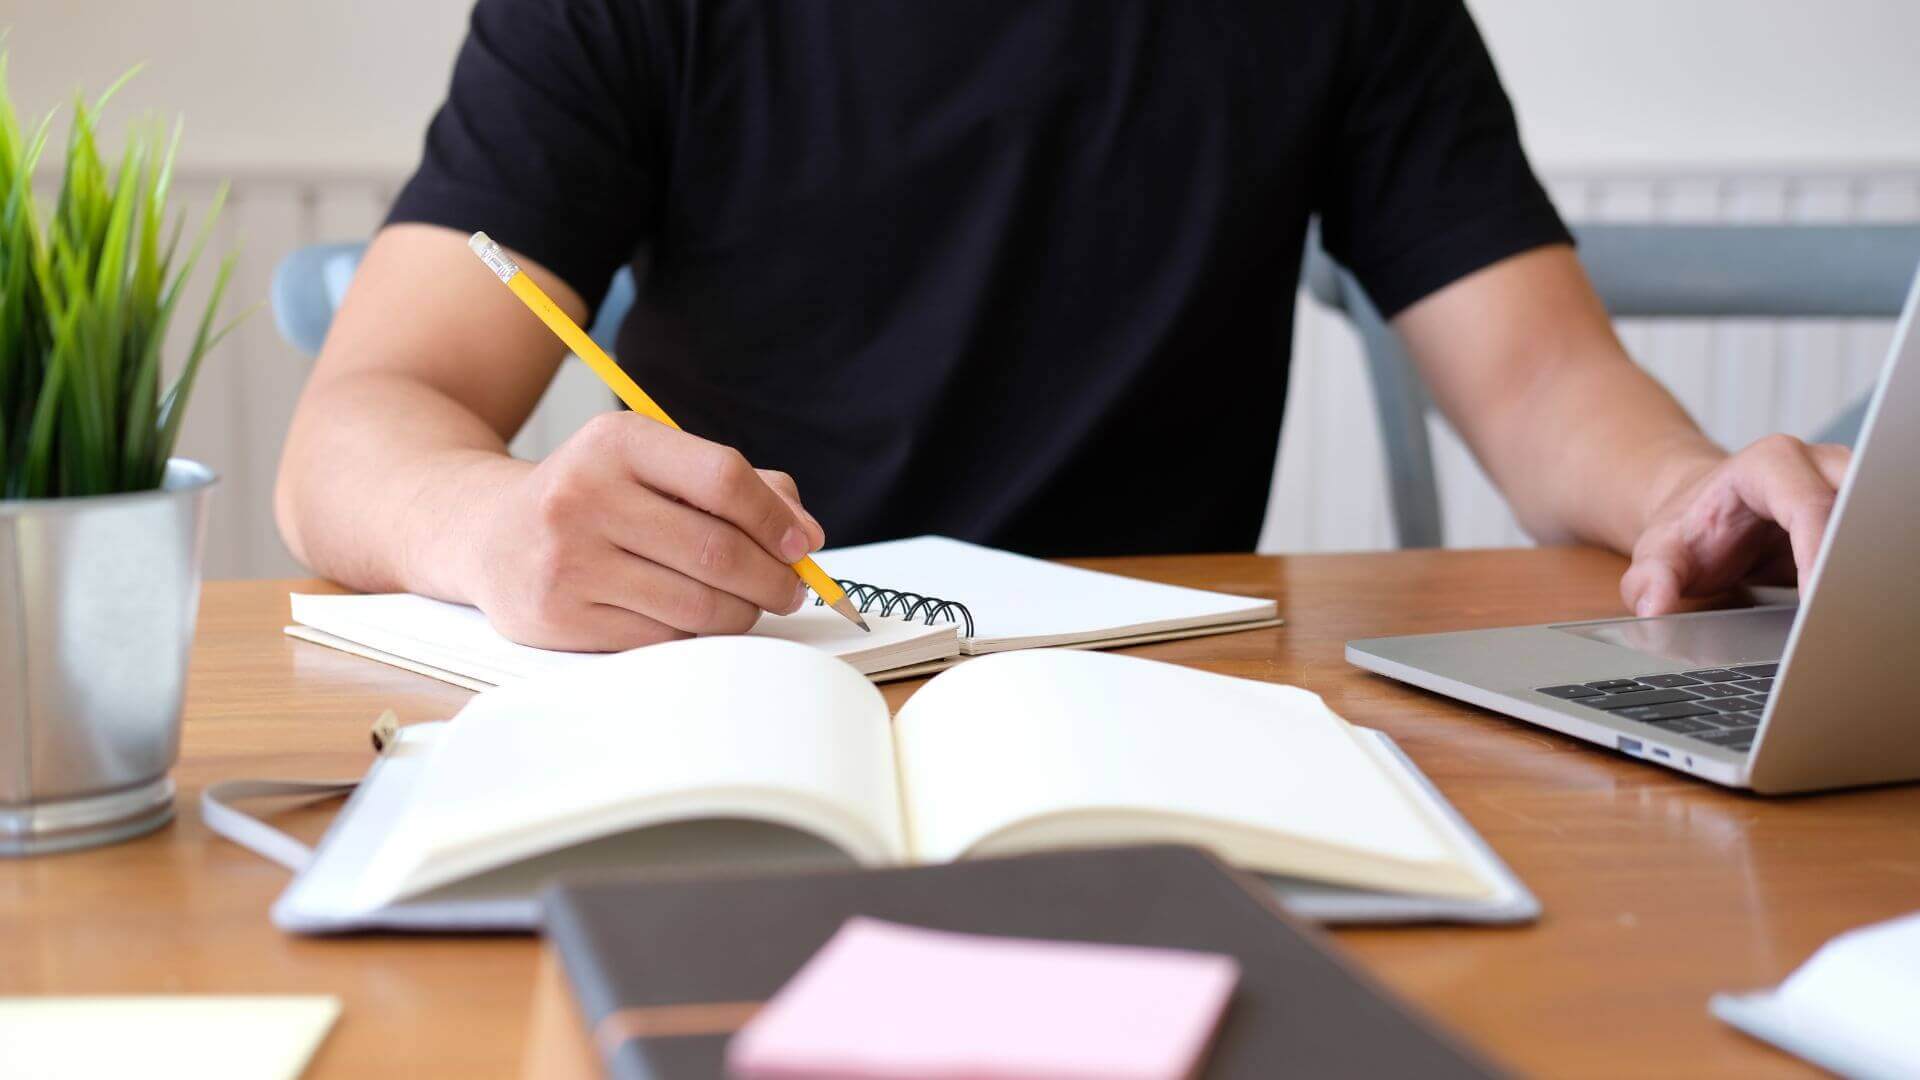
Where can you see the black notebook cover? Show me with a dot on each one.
(1299, 1010)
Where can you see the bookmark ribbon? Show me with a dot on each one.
(221, 817)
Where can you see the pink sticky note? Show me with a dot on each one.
(881, 1000)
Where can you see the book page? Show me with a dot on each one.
(728, 727)
(1019, 602)
(1035, 749)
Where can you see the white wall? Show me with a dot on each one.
(347, 84)
(1710, 84)
(1634, 109)
(280, 85)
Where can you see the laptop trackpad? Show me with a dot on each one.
(1698, 639)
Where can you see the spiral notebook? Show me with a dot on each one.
(930, 601)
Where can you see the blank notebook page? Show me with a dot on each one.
(1019, 602)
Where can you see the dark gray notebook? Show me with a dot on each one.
(1300, 1010)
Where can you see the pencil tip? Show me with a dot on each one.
(852, 614)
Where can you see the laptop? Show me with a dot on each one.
(1774, 699)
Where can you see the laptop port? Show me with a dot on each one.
(1626, 745)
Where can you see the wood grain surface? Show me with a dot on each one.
(1659, 890)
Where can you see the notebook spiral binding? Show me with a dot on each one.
(874, 600)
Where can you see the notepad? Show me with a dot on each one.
(665, 754)
(1016, 602)
(930, 600)
(884, 1001)
(454, 642)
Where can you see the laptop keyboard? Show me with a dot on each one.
(1720, 706)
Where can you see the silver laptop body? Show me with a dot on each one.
(1776, 699)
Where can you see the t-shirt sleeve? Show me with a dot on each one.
(1428, 181)
(546, 140)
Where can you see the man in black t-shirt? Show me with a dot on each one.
(1017, 271)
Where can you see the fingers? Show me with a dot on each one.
(718, 480)
(574, 580)
(783, 486)
(585, 627)
(1662, 565)
(632, 533)
(1782, 479)
(1728, 529)
(671, 598)
(702, 548)
(1832, 460)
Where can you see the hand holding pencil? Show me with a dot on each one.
(720, 482)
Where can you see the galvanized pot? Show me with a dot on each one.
(97, 602)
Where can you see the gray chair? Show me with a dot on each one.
(309, 284)
(1642, 271)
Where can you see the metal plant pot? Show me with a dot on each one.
(97, 602)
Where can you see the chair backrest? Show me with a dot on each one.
(1642, 271)
(309, 284)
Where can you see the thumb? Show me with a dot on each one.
(1655, 582)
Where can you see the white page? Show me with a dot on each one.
(1014, 737)
(1017, 601)
(458, 638)
(727, 726)
(201, 1036)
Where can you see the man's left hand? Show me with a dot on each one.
(1754, 518)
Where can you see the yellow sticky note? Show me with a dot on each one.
(206, 1037)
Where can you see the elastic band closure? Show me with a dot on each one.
(672, 1022)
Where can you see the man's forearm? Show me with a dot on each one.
(381, 478)
(1523, 359)
(1592, 448)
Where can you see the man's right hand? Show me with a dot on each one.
(396, 475)
(632, 533)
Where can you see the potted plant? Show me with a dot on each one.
(100, 526)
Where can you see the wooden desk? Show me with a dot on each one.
(1658, 889)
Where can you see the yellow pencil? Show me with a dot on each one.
(621, 383)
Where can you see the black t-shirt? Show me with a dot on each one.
(1016, 271)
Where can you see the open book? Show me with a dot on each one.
(724, 749)
(929, 600)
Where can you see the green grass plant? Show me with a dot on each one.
(87, 292)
